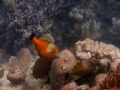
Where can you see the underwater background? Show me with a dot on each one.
(75, 45)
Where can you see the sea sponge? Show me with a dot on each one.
(18, 67)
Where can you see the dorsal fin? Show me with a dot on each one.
(32, 36)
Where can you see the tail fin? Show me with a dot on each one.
(32, 36)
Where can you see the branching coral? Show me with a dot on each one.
(85, 24)
(115, 30)
(18, 67)
(112, 80)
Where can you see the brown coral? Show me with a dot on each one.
(41, 68)
(18, 67)
(112, 80)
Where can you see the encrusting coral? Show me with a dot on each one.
(95, 53)
(95, 49)
(19, 66)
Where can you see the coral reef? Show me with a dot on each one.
(21, 17)
(94, 63)
(64, 67)
(80, 69)
(18, 67)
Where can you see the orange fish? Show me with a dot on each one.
(45, 49)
